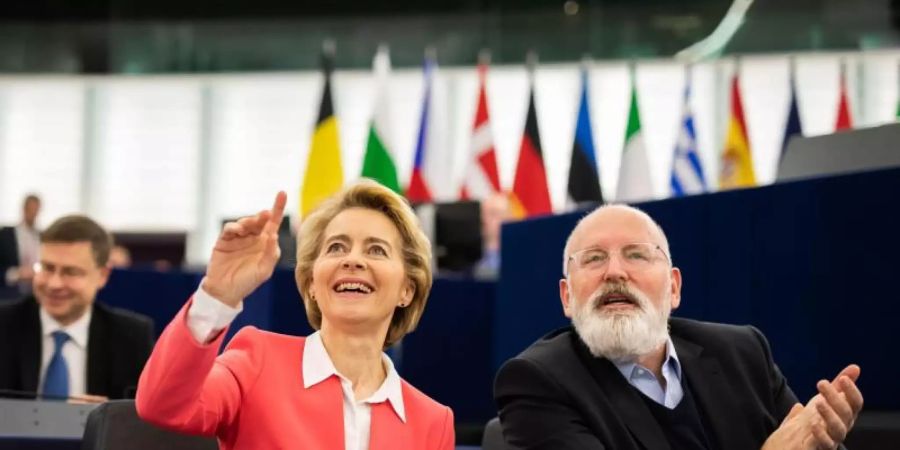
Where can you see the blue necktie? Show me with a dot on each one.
(56, 381)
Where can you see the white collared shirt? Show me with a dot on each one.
(644, 380)
(317, 367)
(74, 350)
(28, 241)
(207, 317)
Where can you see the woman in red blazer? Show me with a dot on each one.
(364, 272)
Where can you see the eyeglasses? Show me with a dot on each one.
(633, 257)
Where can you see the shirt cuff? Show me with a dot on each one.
(207, 316)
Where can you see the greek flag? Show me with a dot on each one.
(687, 170)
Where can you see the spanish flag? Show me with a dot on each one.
(324, 174)
(737, 162)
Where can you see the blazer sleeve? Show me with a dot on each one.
(448, 435)
(9, 256)
(185, 387)
(132, 344)
(534, 413)
(783, 396)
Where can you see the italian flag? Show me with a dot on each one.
(634, 171)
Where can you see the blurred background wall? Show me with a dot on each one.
(170, 116)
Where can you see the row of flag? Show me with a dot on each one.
(529, 196)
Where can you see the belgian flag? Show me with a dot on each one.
(324, 174)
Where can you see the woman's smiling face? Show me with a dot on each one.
(359, 276)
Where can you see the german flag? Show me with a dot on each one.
(530, 196)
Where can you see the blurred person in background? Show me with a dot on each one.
(61, 343)
(119, 257)
(494, 211)
(19, 250)
(364, 273)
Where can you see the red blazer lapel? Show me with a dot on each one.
(324, 406)
(388, 432)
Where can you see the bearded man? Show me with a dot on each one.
(627, 376)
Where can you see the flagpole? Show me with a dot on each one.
(586, 61)
(686, 98)
(328, 52)
(897, 117)
(688, 78)
(862, 117)
(431, 53)
(484, 56)
(531, 61)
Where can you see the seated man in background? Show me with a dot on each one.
(630, 377)
(494, 211)
(119, 257)
(59, 342)
(19, 250)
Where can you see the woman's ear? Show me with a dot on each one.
(408, 292)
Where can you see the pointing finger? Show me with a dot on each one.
(276, 213)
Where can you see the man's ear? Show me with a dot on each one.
(676, 288)
(565, 297)
(104, 274)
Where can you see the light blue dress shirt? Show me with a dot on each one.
(644, 380)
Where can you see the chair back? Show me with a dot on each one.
(493, 436)
(116, 425)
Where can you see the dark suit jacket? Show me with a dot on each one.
(119, 343)
(9, 257)
(556, 396)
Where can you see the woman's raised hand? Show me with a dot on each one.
(245, 254)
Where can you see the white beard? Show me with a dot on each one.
(622, 336)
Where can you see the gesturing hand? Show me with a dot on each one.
(245, 254)
(795, 432)
(825, 421)
(838, 404)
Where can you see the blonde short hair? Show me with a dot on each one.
(416, 250)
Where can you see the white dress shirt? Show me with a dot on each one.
(74, 350)
(207, 317)
(28, 241)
